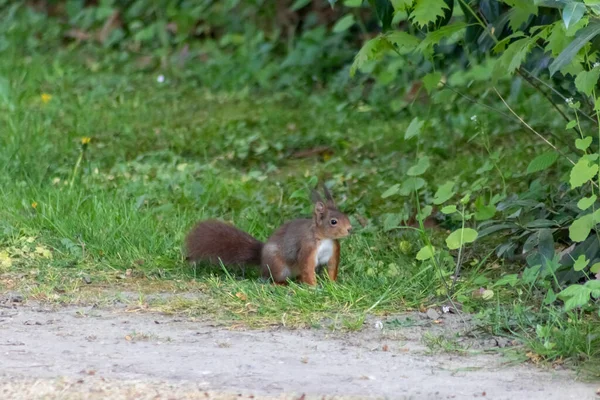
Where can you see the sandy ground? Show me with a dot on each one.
(92, 353)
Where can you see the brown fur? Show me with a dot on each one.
(214, 240)
(290, 252)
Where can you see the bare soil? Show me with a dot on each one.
(88, 352)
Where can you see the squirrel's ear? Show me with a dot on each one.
(319, 208)
(315, 196)
(329, 197)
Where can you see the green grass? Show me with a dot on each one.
(163, 156)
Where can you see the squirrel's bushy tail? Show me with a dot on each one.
(214, 240)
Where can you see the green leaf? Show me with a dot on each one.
(572, 124)
(391, 191)
(558, 39)
(583, 172)
(370, 51)
(583, 144)
(435, 37)
(495, 228)
(594, 269)
(531, 274)
(402, 40)
(444, 193)
(520, 13)
(448, 210)
(299, 194)
(510, 280)
(298, 4)
(401, 5)
(414, 128)
(540, 223)
(385, 12)
(582, 37)
(485, 212)
(575, 296)
(344, 23)
(580, 263)
(410, 185)
(586, 81)
(581, 227)
(427, 11)
(424, 213)
(460, 237)
(550, 297)
(585, 202)
(353, 3)
(431, 81)
(391, 222)
(419, 168)
(425, 253)
(594, 286)
(515, 54)
(572, 13)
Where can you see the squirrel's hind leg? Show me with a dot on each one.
(273, 265)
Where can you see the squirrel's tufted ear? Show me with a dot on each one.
(329, 197)
(319, 208)
(315, 196)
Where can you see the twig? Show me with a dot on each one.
(531, 129)
(537, 133)
(474, 101)
(460, 250)
(556, 107)
(557, 93)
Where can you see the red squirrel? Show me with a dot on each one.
(295, 250)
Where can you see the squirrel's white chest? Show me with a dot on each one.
(324, 252)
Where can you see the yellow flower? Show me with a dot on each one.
(46, 97)
(85, 140)
(34, 204)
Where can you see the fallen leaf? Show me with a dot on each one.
(78, 34)
(128, 338)
(242, 296)
(533, 357)
(385, 348)
(110, 24)
(5, 260)
(319, 150)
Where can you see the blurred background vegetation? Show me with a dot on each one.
(467, 116)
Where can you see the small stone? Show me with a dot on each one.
(432, 314)
(87, 279)
(502, 342)
(16, 297)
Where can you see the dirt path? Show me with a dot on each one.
(110, 353)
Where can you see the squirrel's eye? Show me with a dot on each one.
(333, 221)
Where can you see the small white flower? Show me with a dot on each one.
(379, 325)
(160, 79)
(569, 100)
(446, 309)
(474, 118)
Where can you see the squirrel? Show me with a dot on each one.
(295, 250)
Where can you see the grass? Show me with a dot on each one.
(164, 155)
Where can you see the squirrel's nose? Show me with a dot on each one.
(349, 229)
